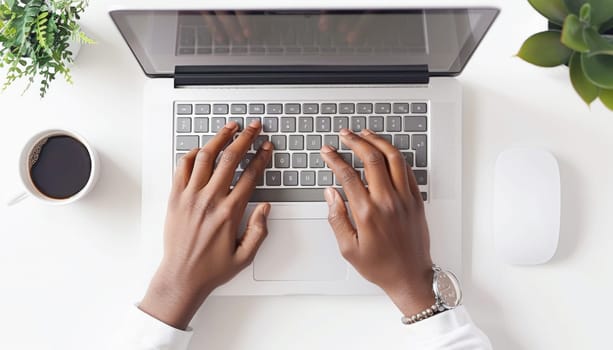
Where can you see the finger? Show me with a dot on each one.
(249, 179)
(183, 172)
(215, 28)
(396, 163)
(230, 158)
(231, 25)
(243, 21)
(377, 175)
(346, 176)
(346, 235)
(324, 22)
(256, 231)
(205, 159)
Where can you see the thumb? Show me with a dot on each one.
(255, 232)
(346, 235)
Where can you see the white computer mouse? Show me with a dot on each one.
(526, 206)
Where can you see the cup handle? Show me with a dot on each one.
(17, 199)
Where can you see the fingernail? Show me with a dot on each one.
(231, 125)
(345, 132)
(267, 146)
(327, 149)
(329, 195)
(367, 132)
(255, 123)
(267, 209)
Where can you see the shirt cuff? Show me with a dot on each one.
(451, 329)
(142, 331)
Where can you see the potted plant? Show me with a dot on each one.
(39, 38)
(580, 36)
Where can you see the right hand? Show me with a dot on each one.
(389, 244)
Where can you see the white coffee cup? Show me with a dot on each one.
(30, 189)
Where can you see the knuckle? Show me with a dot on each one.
(205, 156)
(229, 156)
(395, 156)
(348, 175)
(373, 157)
(250, 175)
(346, 250)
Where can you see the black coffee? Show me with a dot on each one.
(60, 167)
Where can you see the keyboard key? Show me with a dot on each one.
(328, 108)
(313, 142)
(358, 163)
(184, 124)
(288, 124)
(296, 142)
(238, 109)
(340, 123)
(331, 140)
(249, 120)
(324, 178)
(408, 157)
(421, 176)
(394, 124)
(316, 161)
(415, 124)
(235, 178)
(386, 137)
(279, 142)
(344, 147)
(220, 109)
(256, 108)
(238, 120)
(358, 123)
(274, 108)
(273, 178)
(259, 141)
(383, 108)
(364, 108)
(292, 108)
(217, 123)
(247, 160)
(203, 109)
(281, 160)
(206, 138)
(310, 108)
(347, 157)
(347, 108)
(376, 124)
(201, 124)
(299, 160)
(178, 157)
(184, 109)
(307, 178)
(421, 150)
(186, 143)
(290, 178)
(305, 124)
(419, 108)
(323, 124)
(401, 108)
(271, 124)
(402, 142)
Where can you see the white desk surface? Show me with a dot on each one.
(68, 273)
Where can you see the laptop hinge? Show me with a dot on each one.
(299, 75)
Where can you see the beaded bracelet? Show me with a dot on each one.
(429, 312)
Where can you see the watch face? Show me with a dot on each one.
(448, 288)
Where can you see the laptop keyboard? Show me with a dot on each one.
(298, 130)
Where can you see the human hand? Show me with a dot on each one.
(228, 26)
(389, 244)
(202, 249)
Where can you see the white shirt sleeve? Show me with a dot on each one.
(449, 330)
(141, 331)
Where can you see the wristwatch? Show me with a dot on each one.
(447, 295)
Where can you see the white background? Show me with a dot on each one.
(67, 274)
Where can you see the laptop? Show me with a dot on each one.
(305, 74)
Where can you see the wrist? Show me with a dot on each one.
(414, 295)
(172, 301)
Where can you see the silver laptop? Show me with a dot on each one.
(305, 75)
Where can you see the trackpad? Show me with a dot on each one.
(299, 250)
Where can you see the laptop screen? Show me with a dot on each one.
(442, 39)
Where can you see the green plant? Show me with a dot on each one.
(582, 43)
(35, 36)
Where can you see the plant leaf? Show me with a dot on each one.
(585, 14)
(572, 34)
(545, 49)
(553, 10)
(602, 10)
(585, 89)
(598, 44)
(574, 6)
(606, 96)
(598, 69)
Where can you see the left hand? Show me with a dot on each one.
(201, 246)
